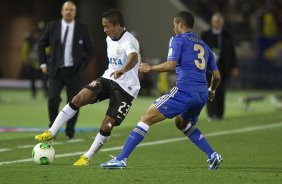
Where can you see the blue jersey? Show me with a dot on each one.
(192, 57)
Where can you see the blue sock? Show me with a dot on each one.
(195, 135)
(134, 138)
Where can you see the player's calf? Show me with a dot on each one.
(182, 124)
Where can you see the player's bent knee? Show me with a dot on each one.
(149, 119)
(80, 100)
(152, 116)
(76, 100)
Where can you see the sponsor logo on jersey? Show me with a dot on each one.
(115, 61)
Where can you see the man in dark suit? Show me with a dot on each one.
(221, 43)
(70, 52)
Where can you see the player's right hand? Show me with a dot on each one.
(144, 67)
(211, 94)
(44, 69)
(117, 74)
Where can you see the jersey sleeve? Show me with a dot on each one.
(131, 46)
(174, 49)
(211, 62)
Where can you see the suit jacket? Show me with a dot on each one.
(223, 46)
(82, 49)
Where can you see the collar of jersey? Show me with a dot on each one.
(188, 32)
(117, 39)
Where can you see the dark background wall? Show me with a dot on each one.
(152, 20)
(18, 17)
(257, 41)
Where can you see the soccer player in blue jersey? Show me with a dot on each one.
(190, 57)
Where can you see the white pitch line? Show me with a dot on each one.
(31, 146)
(5, 149)
(53, 143)
(56, 143)
(25, 146)
(225, 132)
(75, 140)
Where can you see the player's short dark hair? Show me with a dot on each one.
(114, 16)
(186, 17)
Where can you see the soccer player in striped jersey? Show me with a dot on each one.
(190, 57)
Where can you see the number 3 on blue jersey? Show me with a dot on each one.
(200, 62)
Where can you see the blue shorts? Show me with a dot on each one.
(188, 104)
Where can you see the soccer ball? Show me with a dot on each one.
(43, 154)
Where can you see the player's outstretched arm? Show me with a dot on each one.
(131, 62)
(163, 67)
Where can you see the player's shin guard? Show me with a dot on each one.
(65, 114)
(135, 137)
(195, 135)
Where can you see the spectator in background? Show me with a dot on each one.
(70, 52)
(221, 43)
(29, 52)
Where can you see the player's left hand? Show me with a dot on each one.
(144, 67)
(118, 73)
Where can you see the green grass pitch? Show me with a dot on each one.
(249, 141)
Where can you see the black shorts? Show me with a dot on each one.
(120, 100)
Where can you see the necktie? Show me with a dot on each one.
(64, 45)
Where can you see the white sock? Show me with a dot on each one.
(143, 125)
(96, 145)
(65, 114)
